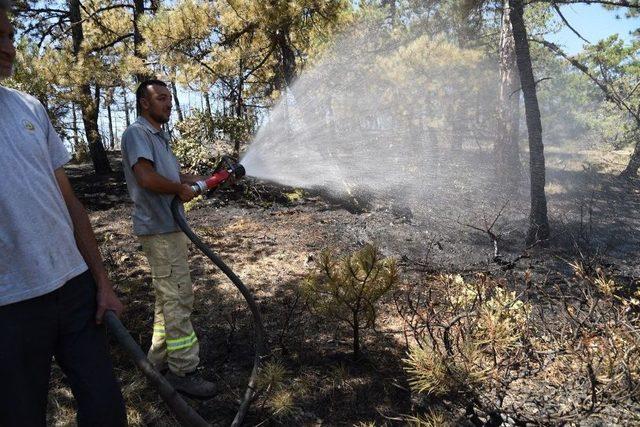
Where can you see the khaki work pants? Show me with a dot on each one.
(174, 342)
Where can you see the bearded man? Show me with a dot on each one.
(153, 179)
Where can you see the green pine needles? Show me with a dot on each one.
(348, 288)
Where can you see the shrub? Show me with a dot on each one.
(200, 135)
(348, 288)
(194, 147)
(480, 325)
(573, 354)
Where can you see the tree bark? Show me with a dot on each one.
(506, 148)
(90, 112)
(287, 56)
(538, 220)
(356, 336)
(109, 101)
(631, 170)
(88, 105)
(112, 139)
(239, 108)
(74, 125)
(138, 12)
(127, 119)
(207, 104)
(176, 101)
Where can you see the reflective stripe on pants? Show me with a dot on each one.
(174, 342)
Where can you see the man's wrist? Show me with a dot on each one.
(103, 282)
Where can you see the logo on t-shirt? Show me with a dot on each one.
(28, 125)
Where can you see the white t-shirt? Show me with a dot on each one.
(38, 252)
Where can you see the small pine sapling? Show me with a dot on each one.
(348, 288)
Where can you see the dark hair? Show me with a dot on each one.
(142, 90)
(6, 5)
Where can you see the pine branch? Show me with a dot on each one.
(555, 6)
(609, 92)
(618, 3)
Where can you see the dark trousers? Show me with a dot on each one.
(60, 324)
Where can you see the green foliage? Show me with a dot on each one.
(295, 195)
(616, 66)
(233, 128)
(201, 135)
(272, 375)
(480, 341)
(279, 399)
(194, 146)
(30, 76)
(238, 42)
(431, 419)
(282, 404)
(232, 48)
(191, 204)
(486, 322)
(349, 288)
(429, 372)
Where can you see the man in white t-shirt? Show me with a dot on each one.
(54, 289)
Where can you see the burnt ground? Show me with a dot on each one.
(270, 237)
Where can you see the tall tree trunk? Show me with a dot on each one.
(506, 148)
(112, 139)
(538, 220)
(631, 170)
(207, 104)
(90, 112)
(79, 148)
(176, 101)
(287, 56)
(356, 336)
(127, 119)
(74, 125)
(88, 105)
(138, 12)
(239, 108)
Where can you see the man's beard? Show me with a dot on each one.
(159, 118)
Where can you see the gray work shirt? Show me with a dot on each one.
(38, 251)
(152, 211)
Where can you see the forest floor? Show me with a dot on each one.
(271, 237)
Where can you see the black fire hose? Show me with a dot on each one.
(246, 293)
(183, 412)
(181, 409)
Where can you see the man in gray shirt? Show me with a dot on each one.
(153, 178)
(54, 289)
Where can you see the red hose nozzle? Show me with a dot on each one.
(220, 176)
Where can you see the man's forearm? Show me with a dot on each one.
(151, 180)
(86, 241)
(88, 247)
(159, 184)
